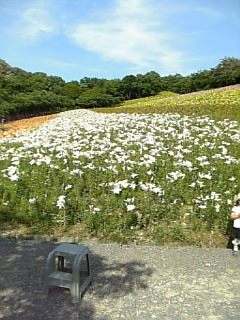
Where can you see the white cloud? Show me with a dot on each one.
(132, 33)
(36, 21)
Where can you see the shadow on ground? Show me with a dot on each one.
(22, 293)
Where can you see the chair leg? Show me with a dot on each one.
(75, 292)
(88, 265)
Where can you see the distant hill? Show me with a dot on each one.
(26, 94)
(220, 103)
(7, 70)
(209, 100)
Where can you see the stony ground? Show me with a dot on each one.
(129, 282)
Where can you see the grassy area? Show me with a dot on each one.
(162, 169)
(217, 105)
(123, 177)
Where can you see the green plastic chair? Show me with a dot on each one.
(64, 269)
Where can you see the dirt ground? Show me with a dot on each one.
(13, 127)
(129, 282)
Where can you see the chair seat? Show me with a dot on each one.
(60, 279)
(61, 275)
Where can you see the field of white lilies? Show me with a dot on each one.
(122, 174)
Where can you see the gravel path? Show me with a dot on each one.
(129, 282)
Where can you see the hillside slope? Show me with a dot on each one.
(7, 70)
(150, 104)
(227, 88)
(218, 104)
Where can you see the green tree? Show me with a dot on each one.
(71, 89)
(227, 72)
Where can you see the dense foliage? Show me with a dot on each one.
(166, 176)
(24, 94)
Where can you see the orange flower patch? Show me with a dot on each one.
(14, 127)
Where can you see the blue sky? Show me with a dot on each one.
(114, 38)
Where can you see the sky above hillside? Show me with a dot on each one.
(113, 38)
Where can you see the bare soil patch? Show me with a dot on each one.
(14, 127)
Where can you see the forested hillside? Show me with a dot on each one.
(25, 94)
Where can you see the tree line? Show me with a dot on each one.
(25, 94)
